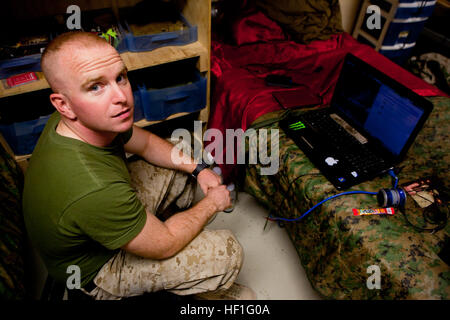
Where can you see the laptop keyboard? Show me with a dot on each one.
(321, 122)
(357, 156)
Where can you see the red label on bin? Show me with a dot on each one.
(21, 79)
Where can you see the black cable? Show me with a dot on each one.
(429, 215)
(432, 230)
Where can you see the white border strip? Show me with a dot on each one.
(417, 4)
(398, 46)
(411, 20)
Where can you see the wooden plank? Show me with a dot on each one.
(204, 114)
(360, 19)
(444, 3)
(22, 161)
(368, 37)
(6, 146)
(389, 17)
(358, 31)
(144, 123)
(23, 164)
(22, 157)
(198, 12)
(29, 87)
(139, 60)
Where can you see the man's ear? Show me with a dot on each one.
(61, 104)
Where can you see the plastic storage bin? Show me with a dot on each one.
(19, 65)
(398, 55)
(403, 32)
(158, 104)
(28, 53)
(414, 8)
(401, 23)
(138, 113)
(137, 43)
(409, 21)
(23, 136)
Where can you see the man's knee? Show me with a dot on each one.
(233, 249)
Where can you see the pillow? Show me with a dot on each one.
(256, 27)
(305, 20)
(12, 230)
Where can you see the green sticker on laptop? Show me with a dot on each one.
(297, 126)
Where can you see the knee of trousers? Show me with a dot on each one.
(234, 249)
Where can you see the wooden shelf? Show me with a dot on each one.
(139, 60)
(144, 123)
(29, 87)
(197, 12)
(133, 61)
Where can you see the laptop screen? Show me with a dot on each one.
(376, 106)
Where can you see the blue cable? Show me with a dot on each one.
(392, 174)
(315, 206)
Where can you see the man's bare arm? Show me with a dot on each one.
(161, 240)
(157, 150)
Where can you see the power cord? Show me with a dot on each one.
(321, 202)
(397, 198)
(271, 218)
(279, 221)
(428, 214)
(436, 213)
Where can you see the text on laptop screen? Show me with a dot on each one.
(376, 107)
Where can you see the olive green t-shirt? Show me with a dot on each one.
(78, 204)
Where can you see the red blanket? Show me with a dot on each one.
(240, 95)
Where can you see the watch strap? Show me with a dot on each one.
(202, 165)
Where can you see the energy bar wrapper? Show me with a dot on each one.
(368, 212)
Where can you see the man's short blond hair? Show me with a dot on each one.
(73, 39)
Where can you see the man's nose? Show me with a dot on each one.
(119, 95)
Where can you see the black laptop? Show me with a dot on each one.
(368, 128)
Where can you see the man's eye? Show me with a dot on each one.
(94, 87)
(121, 78)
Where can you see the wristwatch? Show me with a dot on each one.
(202, 165)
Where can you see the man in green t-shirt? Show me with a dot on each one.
(81, 206)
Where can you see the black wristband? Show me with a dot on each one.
(202, 165)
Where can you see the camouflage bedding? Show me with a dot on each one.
(335, 247)
(12, 230)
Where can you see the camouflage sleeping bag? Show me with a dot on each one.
(337, 249)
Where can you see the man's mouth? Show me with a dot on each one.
(123, 114)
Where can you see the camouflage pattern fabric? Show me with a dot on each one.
(305, 20)
(12, 230)
(211, 261)
(335, 247)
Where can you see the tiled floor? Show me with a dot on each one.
(271, 265)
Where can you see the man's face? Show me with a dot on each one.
(97, 88)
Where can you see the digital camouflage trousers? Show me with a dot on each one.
(209, 262)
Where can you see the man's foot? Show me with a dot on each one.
(235, 292)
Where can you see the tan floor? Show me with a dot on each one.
(271, 264)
